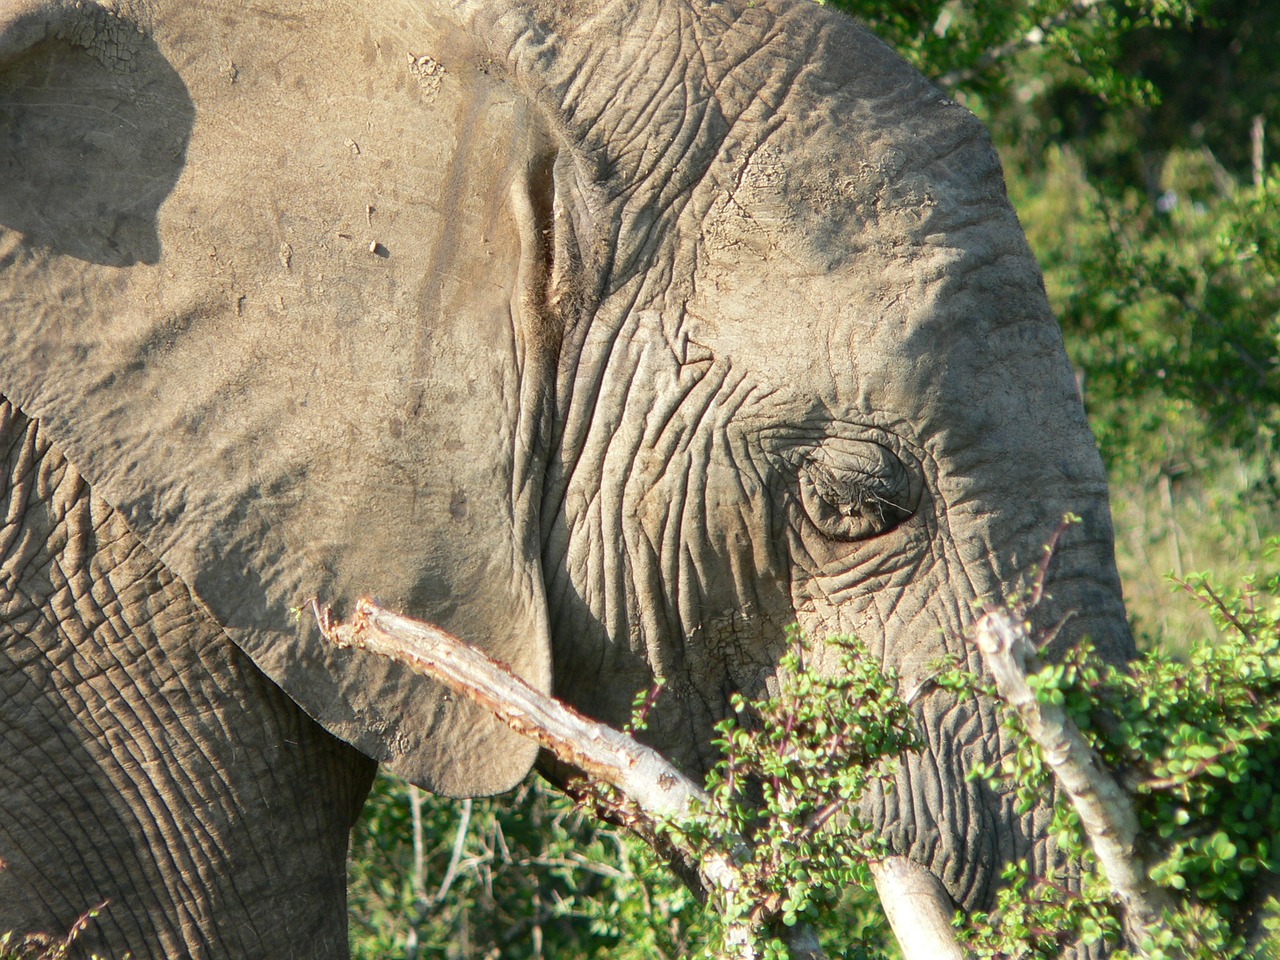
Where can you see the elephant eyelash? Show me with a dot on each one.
(868, 497)
(859, 496)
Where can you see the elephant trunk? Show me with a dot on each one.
(965, 832)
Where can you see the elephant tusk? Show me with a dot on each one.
(919, 910)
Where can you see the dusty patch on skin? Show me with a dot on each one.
(429, 74)
(742, 645)
(734, 220)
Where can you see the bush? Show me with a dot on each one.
(533, 876)
(1191, 742)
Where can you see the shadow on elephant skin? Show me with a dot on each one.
(94, 126)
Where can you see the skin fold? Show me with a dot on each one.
(613, 337)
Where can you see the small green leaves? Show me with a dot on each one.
(794, 768)
(1039, 917)
(1193, 741)
(642, 705)
(43, 946)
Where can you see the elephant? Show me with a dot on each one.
(613, 336)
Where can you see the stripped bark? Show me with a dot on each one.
(658, 790)
(918, 909)
(1105, 810)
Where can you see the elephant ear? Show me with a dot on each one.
(282, 306)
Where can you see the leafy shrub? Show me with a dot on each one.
(1191, 741)
(534, 876)
(784, 798)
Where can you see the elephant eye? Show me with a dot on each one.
(855, 490)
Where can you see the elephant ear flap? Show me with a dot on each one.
(496, 598)
(280, 416)
(460, 546)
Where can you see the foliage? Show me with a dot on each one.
(967, 45)
(534, 877)
(1193, 745)
(1174, 311)
(1171, 309)
(537, 877)
(795, 766)
(43, 946)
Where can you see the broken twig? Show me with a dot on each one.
(660, 793)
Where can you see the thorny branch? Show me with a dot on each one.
(1215, 602)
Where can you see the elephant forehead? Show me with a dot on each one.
(824, 190)
(871, 257)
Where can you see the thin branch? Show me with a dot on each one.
(1042, 574)
(1105, 810)
(1052, 633)
(417, 876)
(1257, 138)
(459, 841)
(1216, 602)
(575, 861)
(1181, 780)
(818, 822)
(659, 791)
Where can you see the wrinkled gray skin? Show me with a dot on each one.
(612, 336)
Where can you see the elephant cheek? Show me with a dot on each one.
(914, 606)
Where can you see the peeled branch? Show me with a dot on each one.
(659, 792)
(1105, 809)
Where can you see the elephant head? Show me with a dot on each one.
(612, 336)
(812, 377)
